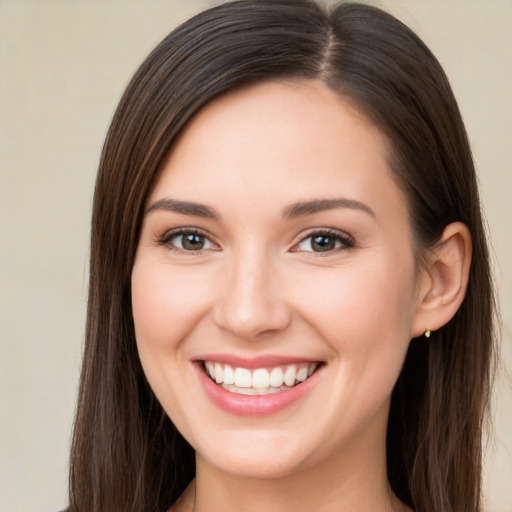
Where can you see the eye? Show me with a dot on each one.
(188, 240)
(324, 242)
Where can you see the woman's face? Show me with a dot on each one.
(276, 247)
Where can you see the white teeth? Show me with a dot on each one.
(276, 377)
(253, 391)
(210, 368)
(219, 374)
(260, 378)
(289, 375)
(302, 374)
(260, 381)
(229, 375)
(247, 391)
(243, 378)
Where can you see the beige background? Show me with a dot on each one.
(63, 66)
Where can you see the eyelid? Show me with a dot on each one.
(165, 239)
(347, 240)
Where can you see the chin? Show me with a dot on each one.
(249, 457)
(251, 467)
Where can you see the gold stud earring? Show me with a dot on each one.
(427, 333)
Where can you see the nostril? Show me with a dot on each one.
(251, 302)
(251, 321)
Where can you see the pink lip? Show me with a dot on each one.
(253, 362)
(254, 405)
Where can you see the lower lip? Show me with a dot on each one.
(254, 405)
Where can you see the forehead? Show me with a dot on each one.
(298, 138)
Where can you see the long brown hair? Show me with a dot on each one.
(126, 454)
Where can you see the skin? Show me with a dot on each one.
(257, 287)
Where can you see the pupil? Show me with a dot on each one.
(322, 243)
(193, 242)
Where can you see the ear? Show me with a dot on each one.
(444, 280)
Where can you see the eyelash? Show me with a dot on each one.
(346, 241)
(165, 240)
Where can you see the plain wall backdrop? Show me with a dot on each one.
(63, 67)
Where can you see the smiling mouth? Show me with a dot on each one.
(259, 381)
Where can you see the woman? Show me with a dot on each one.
(290, 300)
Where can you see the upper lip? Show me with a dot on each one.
(263, 361)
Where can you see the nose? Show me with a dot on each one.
(252, 301)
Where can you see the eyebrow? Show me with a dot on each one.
(303, 208)
(185, 208)
(299, 209)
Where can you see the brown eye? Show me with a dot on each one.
(192, 241)
(188, 241)
(324, 242)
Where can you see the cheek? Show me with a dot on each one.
(364, 314)
(166, 304)
(364, 310)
